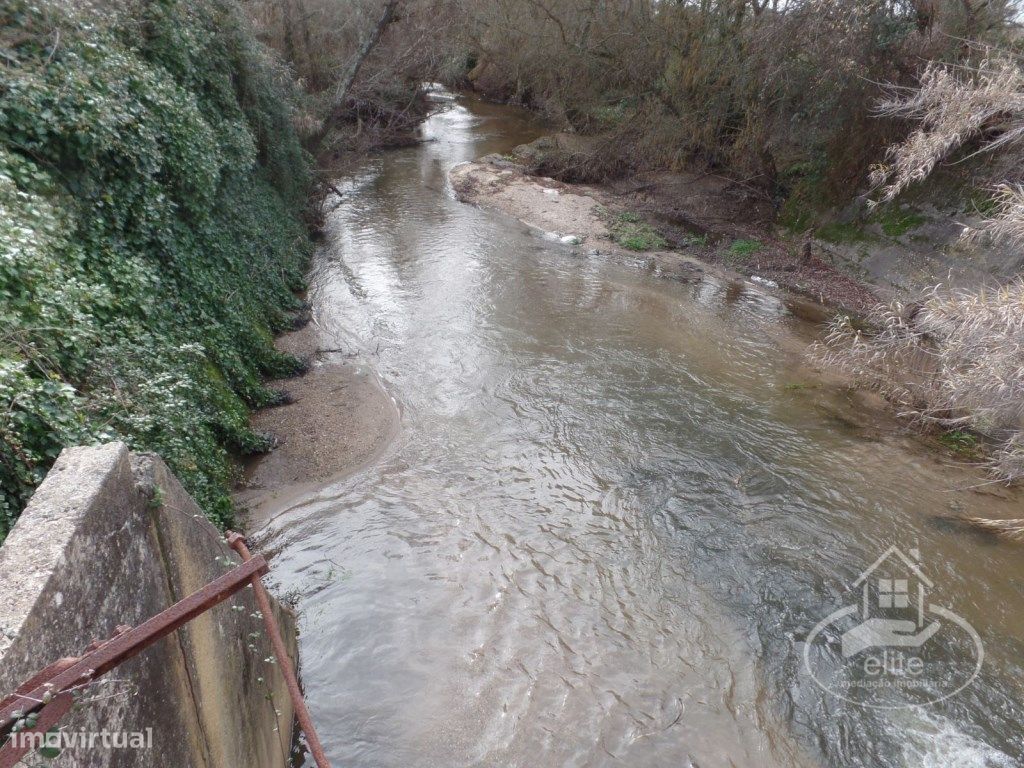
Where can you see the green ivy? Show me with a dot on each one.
(151, 240)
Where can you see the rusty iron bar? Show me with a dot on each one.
(128, 642)
(237, 543)
(43, 676)
(51, 713)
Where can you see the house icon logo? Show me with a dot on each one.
(893, 647)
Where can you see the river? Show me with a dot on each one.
(616, 508)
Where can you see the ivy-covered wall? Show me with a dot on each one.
(150, 235)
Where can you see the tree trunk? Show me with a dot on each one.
(338, 103)
(289, 32)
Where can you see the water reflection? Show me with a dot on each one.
(617, 506)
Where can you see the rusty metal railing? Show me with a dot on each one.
(237, 543)
(47, 696)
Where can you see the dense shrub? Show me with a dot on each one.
(150, 238)
(781, 93)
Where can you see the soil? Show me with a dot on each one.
(336, 419)
(701, 216)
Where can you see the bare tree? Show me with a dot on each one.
(365, 48)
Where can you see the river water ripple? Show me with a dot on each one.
(616, 508)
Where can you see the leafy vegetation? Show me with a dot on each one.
(150, 237)
(960, 442)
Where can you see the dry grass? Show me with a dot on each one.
(954, 360)
(953, 105)
(1006, 222)
(1008, 529)
(956, 357)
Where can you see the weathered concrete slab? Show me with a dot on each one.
(111, 538)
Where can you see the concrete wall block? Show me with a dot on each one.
(110, 538)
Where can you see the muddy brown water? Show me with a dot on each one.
(616, 507)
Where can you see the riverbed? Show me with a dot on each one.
(613, 510)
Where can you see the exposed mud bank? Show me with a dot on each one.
(704, 222)
(336, 419)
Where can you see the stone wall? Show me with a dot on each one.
(112, 538)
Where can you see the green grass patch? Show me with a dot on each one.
(838, 233)
(980, 203)
(896, 223)
(741, 249)
(630, 231)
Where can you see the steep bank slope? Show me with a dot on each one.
(150, 238)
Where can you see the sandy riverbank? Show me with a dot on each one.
(337, 419)
(582, 215)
